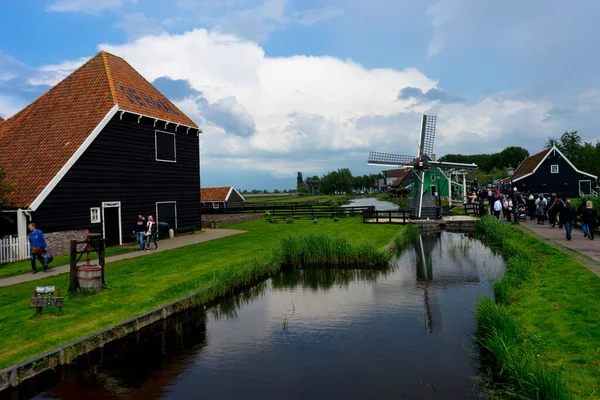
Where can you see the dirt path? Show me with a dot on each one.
(179, 241)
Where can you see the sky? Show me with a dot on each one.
(280, 86)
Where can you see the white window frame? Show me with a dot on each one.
(552, 169)
(112, 204)
(215, 205)
(166, 202)
(174, 146)
(95, 212)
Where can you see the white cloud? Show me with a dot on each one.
(51, 74)
(314, 114)
(87, 6)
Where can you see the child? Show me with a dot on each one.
(151, 230)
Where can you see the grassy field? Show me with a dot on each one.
(24, 267)
(543, 329)
(290, 198)
(140, 284)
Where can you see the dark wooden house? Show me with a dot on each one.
(97, 149)
(220, 198)
(549, 171)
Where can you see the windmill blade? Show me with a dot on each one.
(427, 135)
(376, 158)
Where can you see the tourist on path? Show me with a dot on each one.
(540, 209)
(531, 207)
(590, 218)
(552, 210)
(497, 208)
(140, 230)
(580, 211)
(38, 246)
(508, 205)
(151, 231)
(567, 217)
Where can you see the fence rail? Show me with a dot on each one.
(13, 249)
(386, 217)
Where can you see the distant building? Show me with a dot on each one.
(223, 197)
(549, 171)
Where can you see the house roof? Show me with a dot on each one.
(528, 165)
(394, 173)
(41, 141)
(215, 193)
(1, 120)
(405, 174)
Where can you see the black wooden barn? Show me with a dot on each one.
(97, 149)
(549, 171)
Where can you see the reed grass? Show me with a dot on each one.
(514, 369)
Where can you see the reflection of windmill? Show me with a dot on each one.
(422, 206)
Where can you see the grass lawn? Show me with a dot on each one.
(559, 310)
(24, 267)
(260, 199)
(555, 307)
(158, 279)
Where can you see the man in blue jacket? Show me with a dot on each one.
(38, 245)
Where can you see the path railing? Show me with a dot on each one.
(386, 217)
(13, 249)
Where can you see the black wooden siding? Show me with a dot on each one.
(120, 166)
(235, 200)
(565, 183)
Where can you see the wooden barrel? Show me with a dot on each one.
(89, 277)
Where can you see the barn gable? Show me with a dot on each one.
(43, 141)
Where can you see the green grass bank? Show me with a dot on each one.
(540, 334)
(24, 267)
(211, 268)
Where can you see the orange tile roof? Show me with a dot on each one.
(39, 140)
(214, 194)
(394, 173)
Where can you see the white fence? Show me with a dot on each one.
(13, 249)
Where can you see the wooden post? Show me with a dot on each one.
(102, 247)
(73, 284)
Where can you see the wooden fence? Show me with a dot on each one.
(13, 249)
(386, 217)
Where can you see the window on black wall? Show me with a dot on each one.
(165, 147)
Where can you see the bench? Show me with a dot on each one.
(188, 229)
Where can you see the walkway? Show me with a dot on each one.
(179, 241)
(586, 251)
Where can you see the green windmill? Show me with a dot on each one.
(424, 168)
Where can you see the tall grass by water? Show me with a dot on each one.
(514, 371)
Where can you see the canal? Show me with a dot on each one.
(371, 201)
(400, 333)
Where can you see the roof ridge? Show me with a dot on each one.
(109, 76)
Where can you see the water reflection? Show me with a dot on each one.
(394, 333)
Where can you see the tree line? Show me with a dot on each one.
(340, 181)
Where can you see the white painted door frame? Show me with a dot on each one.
(112, 204)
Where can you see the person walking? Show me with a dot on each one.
(140, 230)
(531, 207)
(37, 244)
(508, 205)
(584, 227)
(552, 210)
(567, 217)
(497, 207)
(151, 230)
(590, 217)
(540, 209)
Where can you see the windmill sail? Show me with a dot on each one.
(376, 158)
(426, 140)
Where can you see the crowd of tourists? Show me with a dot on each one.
(517, 206)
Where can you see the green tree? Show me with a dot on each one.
(300, 187)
